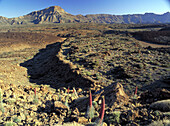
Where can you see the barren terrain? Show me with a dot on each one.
(17, 48)
(109, 59)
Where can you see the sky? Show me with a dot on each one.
(16, 8)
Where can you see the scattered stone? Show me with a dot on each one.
(71, 124)
(82, 120)
(50, 111)
(135, 124)
(167, 114)
(58, 104)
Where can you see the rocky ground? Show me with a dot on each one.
(117, 58)
(34, 80)
(21, 106)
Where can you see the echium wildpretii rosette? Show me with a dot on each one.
(35, 100)
(136, 90)
(35, 92)
(90, 109)
(74, 94)
(135, 94)
(68, 89)
(67, 98)
(99, 121)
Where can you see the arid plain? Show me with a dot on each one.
(113, 60)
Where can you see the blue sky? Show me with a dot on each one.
(15, 8)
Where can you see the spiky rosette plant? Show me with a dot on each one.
(74, 94)
(66, 102)
(59, 95)
(99, 121)
(136, 90)
(35, 101)
(68, 89)
(67, 98)
(90, 109)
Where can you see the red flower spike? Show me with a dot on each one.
(35, 92)
(101, 116)
(90, 99)
(68, 90)
(136, 90)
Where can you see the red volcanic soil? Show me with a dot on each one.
(10, 41)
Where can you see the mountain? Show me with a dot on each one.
(53, 14)
(56, 14)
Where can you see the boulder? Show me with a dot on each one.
(59, 105)
(151, 96)
(163, 105)
(72, 124)
(115, 95)
(80, 103)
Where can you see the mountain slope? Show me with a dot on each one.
(56, 14)
(53, 14)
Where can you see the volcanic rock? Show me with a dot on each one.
(163, 105)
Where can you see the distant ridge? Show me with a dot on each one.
(55, 14)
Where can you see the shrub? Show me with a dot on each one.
(116, 116)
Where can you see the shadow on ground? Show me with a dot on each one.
(46, 68)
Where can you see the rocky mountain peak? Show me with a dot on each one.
(53, 9)
(3, 17)
(49, 10)
(167, 13)
(56, 9)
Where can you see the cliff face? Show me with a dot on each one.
(56, 14)
(3, 20)
(53, 14)
(130, 19)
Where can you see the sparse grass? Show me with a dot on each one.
(160, 123)
(1, 103)
(115, 116)
(9, 124)
(11, 101)
(16, 120)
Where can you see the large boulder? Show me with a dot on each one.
(114, 95)
(163, 105)
(151, 96)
